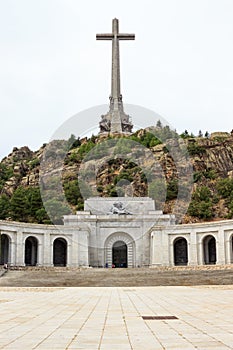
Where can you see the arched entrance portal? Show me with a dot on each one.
(31, 247)
(119, 243)
(5, 246)
(209, 245)
(180, 251)
(59, 252)
(119, 254)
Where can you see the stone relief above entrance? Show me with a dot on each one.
(119, 208)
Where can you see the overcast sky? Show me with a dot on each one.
(52, 67)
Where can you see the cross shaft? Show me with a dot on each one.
(116, 116)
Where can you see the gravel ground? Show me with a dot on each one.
(117, 277)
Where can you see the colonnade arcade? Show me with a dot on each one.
(176, 248)
(207, 251)
(31, 251)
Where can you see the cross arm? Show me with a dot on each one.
(126, 36)
(104, 36)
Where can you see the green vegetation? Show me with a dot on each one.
(172, 189)
(225, 190)
(148, 139)
(34, 163)
(205, 174)
(72, 194)
(5, 174)
(24, 205)
(73, 142)
(186, 135)
(195, 149)
(4, 207)
(201, 205)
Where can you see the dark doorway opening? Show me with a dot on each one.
(31, 247)
(180, 252)
(119, 254)
(5, 246)
(59, 252)
(232, 249)
(210, 250)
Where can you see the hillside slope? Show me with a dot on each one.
(120, 171)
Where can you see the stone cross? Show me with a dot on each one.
(116, 121)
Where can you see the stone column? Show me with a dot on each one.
(200, 251)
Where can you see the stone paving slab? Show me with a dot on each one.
(111, 318)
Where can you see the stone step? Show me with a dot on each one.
(44, 268)
(157, 268)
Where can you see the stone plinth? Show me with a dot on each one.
(132, 205)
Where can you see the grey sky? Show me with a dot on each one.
(51, 66)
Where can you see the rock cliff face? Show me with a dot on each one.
(114, 175)
(217, 155)
(23, 167)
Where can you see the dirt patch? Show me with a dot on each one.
(116, 277)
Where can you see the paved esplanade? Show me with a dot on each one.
(116, 121)
(111, 318)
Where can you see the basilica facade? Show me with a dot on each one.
(117, 232)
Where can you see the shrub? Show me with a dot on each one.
(195, 149)
(72, 192)
(4, 207)
(6, 173)
(201, 205)
(201, 209)
(225, 188)
(34, 163)
(172, 189)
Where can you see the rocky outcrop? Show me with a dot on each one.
(216, 154)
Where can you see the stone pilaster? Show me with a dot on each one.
(220, 248)
(83, 248)
(192, 249)
(20, 249)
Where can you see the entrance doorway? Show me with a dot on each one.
(119, 254)
(5, 245)
(209, 250)
(180, 252)
(59, 252)
(31, 246)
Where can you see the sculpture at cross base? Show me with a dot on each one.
(116, 120)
